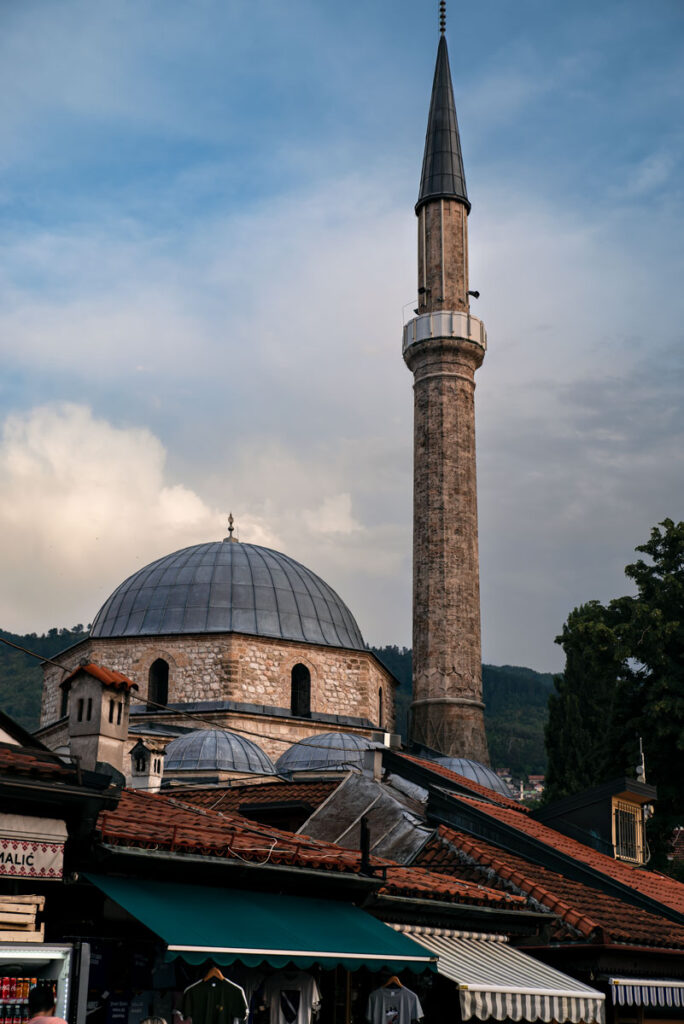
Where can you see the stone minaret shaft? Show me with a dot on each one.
(443, 346)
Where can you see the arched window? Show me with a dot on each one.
(158, 684)
(380, 722)
(140, 763)
(300, 693)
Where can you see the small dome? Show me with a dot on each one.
(329, 751)
(475, 771)
(226, 587)
(208, 750)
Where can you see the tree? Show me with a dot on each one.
(654, 705)
(582, 733)
(624, 679)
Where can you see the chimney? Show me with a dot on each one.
(98, 709)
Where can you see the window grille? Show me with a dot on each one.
(628, 831)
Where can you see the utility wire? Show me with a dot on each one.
(183, 714)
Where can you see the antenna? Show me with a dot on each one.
(442, 17)
(641, 767)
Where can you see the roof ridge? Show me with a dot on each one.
(581, 922)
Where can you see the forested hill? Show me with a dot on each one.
(515, 710)
(21, 675)
(515, 698)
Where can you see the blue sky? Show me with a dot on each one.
(208, 239)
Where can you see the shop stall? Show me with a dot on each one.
(295, 958)
(25, 965)
(494, 981)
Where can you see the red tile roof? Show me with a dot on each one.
(424, 884)
(232, 798)
(656, 886)
(594, 915)
(25, 761)
(107, 676)
(161, 822)
(461, 780)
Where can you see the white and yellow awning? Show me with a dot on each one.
(495, 980)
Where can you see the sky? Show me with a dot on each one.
(207, 253)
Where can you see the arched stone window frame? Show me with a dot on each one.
(301, 700)
(158, 675)
(142, 673)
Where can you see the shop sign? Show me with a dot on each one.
(31, 847)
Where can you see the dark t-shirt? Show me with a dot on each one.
(214, 1002)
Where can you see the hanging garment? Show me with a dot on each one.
(292, 996)
(393, 1005)
(216, 1001)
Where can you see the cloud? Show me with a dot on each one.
(203, 243)
(82, 503)
(333, 515)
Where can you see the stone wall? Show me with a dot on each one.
(240, 668)
(443, 241)
(447, 709)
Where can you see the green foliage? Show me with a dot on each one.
(624, 679)
(21, 675)
(515, 710)
(581, 738)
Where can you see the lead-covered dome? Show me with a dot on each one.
(228, 587)
(214, 750)
(476, 771)
(328, 751)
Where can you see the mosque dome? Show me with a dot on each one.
(215, 750)
(328, 751)
(228, 587)
(475, 771)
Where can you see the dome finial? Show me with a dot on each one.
(442, 17)
(231, 529)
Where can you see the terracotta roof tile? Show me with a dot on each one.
(656, 886)
(461, 780)
(425, 884)
(107, 676)
(161, 822)
(595, 915)
(232, 798)
(24, 761)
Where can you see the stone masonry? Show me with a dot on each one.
(240, 668)
(443, 347)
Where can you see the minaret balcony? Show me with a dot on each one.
(445, 324)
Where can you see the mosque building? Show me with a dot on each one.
(227, 659)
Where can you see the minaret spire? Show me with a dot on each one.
(443, 347)
(443, 174)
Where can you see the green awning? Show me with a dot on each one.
(198, 923)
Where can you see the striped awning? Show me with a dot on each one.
(646, 992)
(495, 980)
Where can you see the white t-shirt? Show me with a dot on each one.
(292, 996)
(393, 1005)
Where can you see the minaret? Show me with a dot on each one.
(443, 346)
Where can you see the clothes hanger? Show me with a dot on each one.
(213, 972)
(394, 982)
